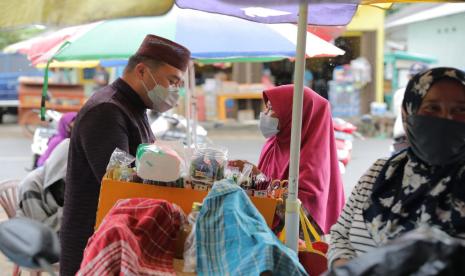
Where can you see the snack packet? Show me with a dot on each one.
(118, 167)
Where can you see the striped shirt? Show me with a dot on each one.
(349, 236)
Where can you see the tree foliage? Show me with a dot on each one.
(8, 37)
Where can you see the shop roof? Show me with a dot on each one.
(422, 12)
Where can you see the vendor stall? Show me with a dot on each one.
(194, 193)
(397, 65)
(63, 98)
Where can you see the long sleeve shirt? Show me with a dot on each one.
(349, 236)
(114, 116)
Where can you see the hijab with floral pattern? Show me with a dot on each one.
(418, 86)
(408, 192)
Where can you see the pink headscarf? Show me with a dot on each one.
(320, 185)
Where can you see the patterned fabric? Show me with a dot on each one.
(234, 239)
(409, 193)
(137, 237)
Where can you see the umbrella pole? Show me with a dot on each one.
(194, 102)
(292, 202)
(187, 102)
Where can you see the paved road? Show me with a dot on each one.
(15, 152)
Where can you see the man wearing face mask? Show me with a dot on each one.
(320, 186)
(115, 117)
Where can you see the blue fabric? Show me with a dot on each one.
(234, 239)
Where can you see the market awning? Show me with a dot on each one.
(388, 57)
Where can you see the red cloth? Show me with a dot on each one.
(320, 185)
(137, 237)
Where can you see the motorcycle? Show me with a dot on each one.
(42, 135)
(174, 128)
(344, 133)
(29, 244)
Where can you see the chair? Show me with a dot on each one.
(9, 203)
(9, 197)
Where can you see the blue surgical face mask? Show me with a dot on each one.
(162, 98)
(268, 125)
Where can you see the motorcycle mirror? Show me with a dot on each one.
(29, 243)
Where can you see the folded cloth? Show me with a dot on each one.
(137, 237)
(234, 239)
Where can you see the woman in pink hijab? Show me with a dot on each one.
(320, 185)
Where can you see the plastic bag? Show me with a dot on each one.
(312, 255)
(260, 182)
(181, 150)
(424, 251)
(158, 162)
(245, 180)
(232, 173)
(190, 246)
(118, 167)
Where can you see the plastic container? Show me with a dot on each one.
(207, 166)
(190, 246)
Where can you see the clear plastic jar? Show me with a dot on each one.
(207, 165)
(190, 246)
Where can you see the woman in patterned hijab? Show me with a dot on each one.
(424, 185)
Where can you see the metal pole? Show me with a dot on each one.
(292, 202)
(187, 101)
(194, 102)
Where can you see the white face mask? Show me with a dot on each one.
(268, 125)
(162, 98)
